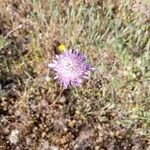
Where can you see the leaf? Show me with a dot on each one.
(2, 42)
(116, 83)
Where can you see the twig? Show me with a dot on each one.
(18, 27)
(56, 100)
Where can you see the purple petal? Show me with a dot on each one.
(70, 68)
(51, 65)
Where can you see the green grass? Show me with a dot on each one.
(2, 42)
(114, 103)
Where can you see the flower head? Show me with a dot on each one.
(70, 68)
(61, 47)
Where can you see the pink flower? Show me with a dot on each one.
(70, 68)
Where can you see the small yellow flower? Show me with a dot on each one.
(61, 48)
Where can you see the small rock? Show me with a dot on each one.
(14, 136)
(28, 141)
(62, 99)
(53, 147)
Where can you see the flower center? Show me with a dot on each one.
(69, 69)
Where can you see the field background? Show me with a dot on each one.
(111, 111)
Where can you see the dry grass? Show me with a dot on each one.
(110, 111)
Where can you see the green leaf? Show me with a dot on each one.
(2, 42)
(116, 83)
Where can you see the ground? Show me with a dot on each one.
(110, 111)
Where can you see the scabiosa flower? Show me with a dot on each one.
(70, 68)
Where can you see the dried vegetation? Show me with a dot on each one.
(111, 110)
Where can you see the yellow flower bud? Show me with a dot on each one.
(61, 48)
